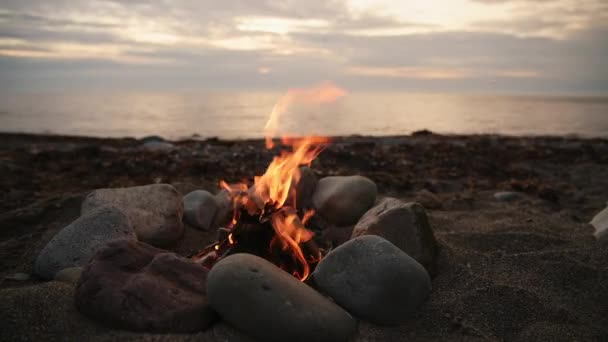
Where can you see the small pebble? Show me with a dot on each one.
(18, 277)
(507, 196)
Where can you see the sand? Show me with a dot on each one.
(522, 270)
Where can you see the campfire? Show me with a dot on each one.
(274, 261)
(267, 220)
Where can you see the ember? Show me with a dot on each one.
(267, 221)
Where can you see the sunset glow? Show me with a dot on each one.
(361, 41)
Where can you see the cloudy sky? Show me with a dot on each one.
(541, 46)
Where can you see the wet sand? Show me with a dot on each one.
(522, 270)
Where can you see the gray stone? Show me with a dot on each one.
(600, 223)
(336, 235)
(342, 200)
(403, 224)
(200, 208)
(155, 211)
(374, 280)
(76, 243)
(152, 138)
(157, 146)
(507, 196)
(185, 187)
(305, 188)
(155, 143)
(69, 275)
(267, 303)
(18, 277)
(225, 209)
(138, 287)
(222, 234)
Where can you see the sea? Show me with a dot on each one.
(243, 114)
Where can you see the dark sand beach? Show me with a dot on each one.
(522, 270)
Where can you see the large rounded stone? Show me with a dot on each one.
(403, 224)
(373, 280)
(76, 243)
(138, 287)
(155, 211)
(342, 200)
(200, 209)
(267, 303)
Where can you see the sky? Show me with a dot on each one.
(514, 46)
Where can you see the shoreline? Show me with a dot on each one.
(195, 137)
(423, 154)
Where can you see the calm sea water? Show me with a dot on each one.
(243, 114)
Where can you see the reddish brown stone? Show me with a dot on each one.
(139, 287)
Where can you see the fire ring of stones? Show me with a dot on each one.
(377, 276)
(272, 273)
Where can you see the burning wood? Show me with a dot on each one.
(296, 252)
(265, 220)
(266, 214)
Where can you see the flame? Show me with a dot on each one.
(278, 184)
(283, 173)
(290, 232)
(307, 215)
(238, 193)
(326, 92)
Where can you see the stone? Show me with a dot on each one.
(18, 277)
(269, 304)
(225, 209)
(138, 287)
(403, 224)
(305, 188)
(157, 146)
(374, 280)
(200, 208)
(428, 199)
(155, 143)
(69, 275)
(222, 234)
(507, 196)
(152, 138)
(76, 243)
(600, 223)
(443, 186)
(185, 187)
(336, 235)
(155, 211)
(342, 200)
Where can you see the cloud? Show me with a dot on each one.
(543, 46)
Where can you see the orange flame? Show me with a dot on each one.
(283, 173)
(290, 232)
(278, 184)
(326, 92)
